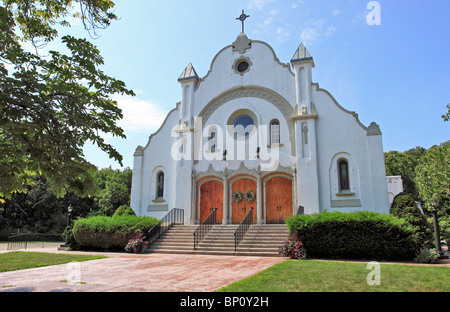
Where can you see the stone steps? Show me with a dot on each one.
(260, 240)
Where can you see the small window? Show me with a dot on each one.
(213, 139)
(274, 132)
(160, 185)
(344, 181)
(242, 66)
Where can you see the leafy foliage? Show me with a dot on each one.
(404, 164)
(50, 107)
(124, 210)
(102, 232)
(446, 116)
(433, 176)
(358, 235)
(40, 211)
(404, 207)
(114, 189)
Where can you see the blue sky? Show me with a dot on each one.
(396, 73)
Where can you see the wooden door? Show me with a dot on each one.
(240, 209)
(211, 196)
(278, 193)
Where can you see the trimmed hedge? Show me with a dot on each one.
(357, 236)
(112, 233)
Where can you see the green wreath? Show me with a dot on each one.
(237, 197)
(249, 196)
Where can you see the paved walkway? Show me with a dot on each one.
(142, 273)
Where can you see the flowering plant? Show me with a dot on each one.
(135, 245)
(293, 248)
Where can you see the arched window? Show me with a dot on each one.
(160, 185)
(344, 181)
(243, 125)
(212, 139)
(274, 132)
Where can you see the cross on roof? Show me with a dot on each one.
(242, 18)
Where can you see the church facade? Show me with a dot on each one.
(258, 133)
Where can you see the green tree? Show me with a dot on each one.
(404, 164)
(114, 189)
(433, 176)
(40, 211)
(50, 107)
(446, 116)
(404, 207)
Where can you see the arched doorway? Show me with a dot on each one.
(278, 199)
(239, 209)
(211, 196)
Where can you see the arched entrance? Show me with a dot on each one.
(211, 196)
(240, 209)
(278, 199)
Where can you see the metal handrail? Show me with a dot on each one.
(175, 216)
(242, 229)
(205, 227)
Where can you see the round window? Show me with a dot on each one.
(242, 66)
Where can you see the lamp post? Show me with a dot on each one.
(69, 212)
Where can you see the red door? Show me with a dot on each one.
(278, 192)
(211, 196)
(240, 209)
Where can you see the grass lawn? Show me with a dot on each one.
(330, 276)
(18, 260)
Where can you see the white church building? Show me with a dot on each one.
(258, 133)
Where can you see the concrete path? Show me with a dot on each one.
(137, 273)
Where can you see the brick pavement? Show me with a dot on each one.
(140, 273)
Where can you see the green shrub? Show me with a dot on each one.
(112, 233)
(356, 235)
(124, 210)
(427, 256)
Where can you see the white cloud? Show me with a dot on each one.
(282, 33)
(268, 21)
(259, 4)
(336, 12)
(315, 31)
(274, 12)
(140, 115)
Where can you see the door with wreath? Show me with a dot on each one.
(243, 198)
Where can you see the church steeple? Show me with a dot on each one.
(302, 55)
(188, 74)
(302, 63)
(188, 80)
